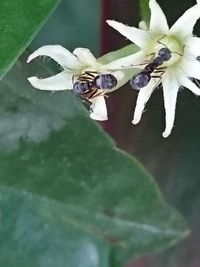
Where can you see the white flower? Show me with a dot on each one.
(73, 64)
(182, 66)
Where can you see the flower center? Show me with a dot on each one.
(173, 47)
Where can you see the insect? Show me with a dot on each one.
(151, 70)
(91, 84)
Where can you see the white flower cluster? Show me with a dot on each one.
(166, 56)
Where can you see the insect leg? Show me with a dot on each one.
(160, 70)
(73, 79)
(90, 74)
(85, 78)
(84, 99)
(160, 73)
(94, 93)
(154, 76)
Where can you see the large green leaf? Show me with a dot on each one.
(28, 238)
(66, 188)
(20, 20)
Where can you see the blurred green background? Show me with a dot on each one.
(74, 24)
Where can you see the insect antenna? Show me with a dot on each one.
(159, 41)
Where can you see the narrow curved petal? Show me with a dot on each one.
(85, 56)
(61, 81)
(191, 68)
(99, 109)
(184, 25)
(158, 21)
(128, 62)
(170, 91)
(58, 53)
(143, 26)
(187, 83)
(193, 46)
(143, 97)
(137, 36)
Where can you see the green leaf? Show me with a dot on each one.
(29, 239)
(20, 20)
(66, 188)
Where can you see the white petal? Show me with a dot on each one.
(143, 97)
(170, 91)
(137, 36)
(58, 53)
(85, 56)
(184, 25)
(158, 21)
(99, 109)
(190, 85)
(61, 81)
(193, 46)
(143, 26)
(125, 62)
(191, 68)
